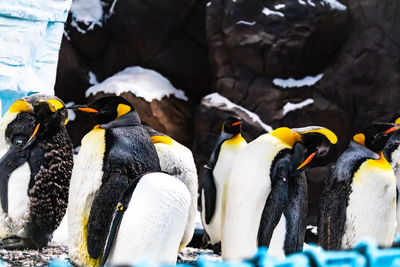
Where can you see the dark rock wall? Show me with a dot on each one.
(237, 48)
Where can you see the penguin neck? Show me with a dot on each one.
(129, 119)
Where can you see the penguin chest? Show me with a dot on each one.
(85, 182)
(371, 210)
(223, 166)
(247, 190)
(396, 168)
(154, 222)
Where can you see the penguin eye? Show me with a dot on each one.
(19, 139)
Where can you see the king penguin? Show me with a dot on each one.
(35, 170)
(113, 156)
(359, 198)
(265, 198)
(216, 172)
(177, 160)
(392, 154)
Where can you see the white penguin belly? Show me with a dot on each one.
(153, 225)
(278, 240)
(371, 211)
(177, 160)
(248, 188)
(85, 182)
(396, 167)
(226, 159)
(18, 197)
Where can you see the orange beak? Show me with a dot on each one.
(89, 110)
(34, 133)
(306, 161)
(394, 128)
(236, 123)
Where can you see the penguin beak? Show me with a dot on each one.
(394, 128)
(306, 161)
(32, 138)
(83, 108)
(237, 123)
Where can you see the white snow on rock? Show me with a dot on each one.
(311, 3)
(289, 83)
(218, 99)
(293, 106)
(268, 12)
(335, 4)
(89, 12)
(250, 23)
(141, 82)
(302, 2)
(92, 78)
(279, 6)
(209, 4)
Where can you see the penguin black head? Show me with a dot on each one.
(232, 125)
(106, 109)
(375, 135)
(50, 115)
(396, 118)
(321, 146)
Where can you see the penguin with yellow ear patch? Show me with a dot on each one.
(177, 160)
(216, 172)
(392, 154)
(359, 198)
(35, 170)
(265, 198)
(115, 153)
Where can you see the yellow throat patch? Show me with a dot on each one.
(161, 139)
(235, 140)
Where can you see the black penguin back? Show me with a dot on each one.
(336, 193)
(52, 163)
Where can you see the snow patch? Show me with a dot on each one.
(208, 4)
(89, 12)
(268, 12)
(306, 81)
(311, 3)
(302, 2)
(293, 106)
(250, 23)
(92, 78)
(335, 4)
(279, 6)
(141, 82)
(217, 99)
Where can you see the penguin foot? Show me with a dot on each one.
(16, 242)
(217, 248)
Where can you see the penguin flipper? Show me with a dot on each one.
(295, 214)
(210, 193)
(272, 212)
(102, 211)
(117, 218)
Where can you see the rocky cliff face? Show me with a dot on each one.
(291, 62)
